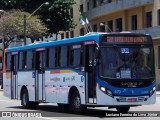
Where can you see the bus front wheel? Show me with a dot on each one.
(123, 109)
(25, 101)
(75, 103)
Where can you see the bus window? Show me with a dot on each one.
(30, 61)
(20, 60)
(8, 61)
(52, 57)
(64, 58)
(47, 57)
(58, 57)
(24, 65)
(76, 56)
(33, 59)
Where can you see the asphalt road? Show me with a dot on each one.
(52, 112)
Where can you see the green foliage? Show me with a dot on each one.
(56, 15)
(12, 24)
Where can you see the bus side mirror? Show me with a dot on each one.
(97, 55)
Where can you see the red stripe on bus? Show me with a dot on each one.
(55, 71)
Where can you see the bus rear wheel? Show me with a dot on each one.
(123, 109)
(75, 103)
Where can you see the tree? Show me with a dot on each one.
(56, 15)
(12, 25)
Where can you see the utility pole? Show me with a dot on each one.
(25, 29)
(25, 20)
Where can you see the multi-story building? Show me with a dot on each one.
(140, 16)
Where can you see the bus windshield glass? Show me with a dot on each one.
(126, 62)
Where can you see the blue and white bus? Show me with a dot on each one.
(98, 69)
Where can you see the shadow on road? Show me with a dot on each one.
(55, 111)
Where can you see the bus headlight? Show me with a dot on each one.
(103, 89)
(106, 91)
(152, 91)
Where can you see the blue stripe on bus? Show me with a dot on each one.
(127, 91)
(94, 37)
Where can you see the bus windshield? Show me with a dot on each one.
(126, 63)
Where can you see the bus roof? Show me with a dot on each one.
(94, 37)
(90, 36)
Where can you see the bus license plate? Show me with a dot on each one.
(132, 99)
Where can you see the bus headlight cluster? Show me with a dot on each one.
(106, 91)
(152, 91)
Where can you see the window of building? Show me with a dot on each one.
(102, 27)
(110, 26)
(72, 34)
(95, 28)
(67, 34)
(71, 12)
(62, 35)
(109, 1)
(1, 41)
(159, 17)
(81, 31)
(94, 3)
(87, 5)
(81, 8)
(149, 19)
(134, 22)
(101, 1)
(119, 25)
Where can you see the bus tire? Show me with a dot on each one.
(75, 103)
(123, 109)
(25, 101)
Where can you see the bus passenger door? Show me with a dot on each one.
(90, 74)
(40, 74)
(14, 83)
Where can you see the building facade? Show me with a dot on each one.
(140, 16)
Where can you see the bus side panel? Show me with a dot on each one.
(63, 86)
(27, 79)
(102, 98)
(7, 84)
(78, 80)
(50, 87)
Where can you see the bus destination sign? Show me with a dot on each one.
(112, 39)
(126, 39)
